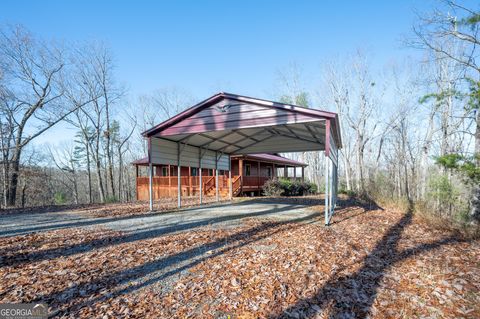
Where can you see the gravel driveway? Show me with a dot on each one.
(221, 215)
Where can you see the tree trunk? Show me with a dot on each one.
(120, 175)
(98, 164)
(109, 142)
(347, 172)
(24, 193)
(101, 190)
(360, 164)
(13, 182)
(5, 181)
(475, 197)
(89, 174)
(75, 186)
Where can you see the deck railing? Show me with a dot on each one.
(254, 181)
(165, 186)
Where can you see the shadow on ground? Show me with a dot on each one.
(352, 296)
(120, 282)
(341, 296)
(15, 259)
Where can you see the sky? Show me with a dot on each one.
(208, 46)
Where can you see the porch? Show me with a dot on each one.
(248, 175)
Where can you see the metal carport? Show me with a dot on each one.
(225, 124)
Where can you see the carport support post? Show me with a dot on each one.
(332, 183)
(179, 185)
(200, 171)
(216, 177)
(327, 190)
(150, 175)
(230, 183)
(150, 188)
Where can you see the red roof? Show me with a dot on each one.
(141, 161)
(314, 113)
(277, 159)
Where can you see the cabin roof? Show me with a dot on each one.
(272, 158)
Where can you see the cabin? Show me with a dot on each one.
(248, 172)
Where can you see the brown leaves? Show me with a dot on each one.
(367, 263)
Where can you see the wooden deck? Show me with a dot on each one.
(190, 185)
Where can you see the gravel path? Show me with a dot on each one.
(222, 215)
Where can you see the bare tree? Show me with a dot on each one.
(66, 161)
(356, 96)
(455, 26)
(158, 106)
(32, 96)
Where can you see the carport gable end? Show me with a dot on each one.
(231, 123)
(228, 124)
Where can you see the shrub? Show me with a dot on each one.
(444, 198)
(272, 187)
(60, 198)
(288, 187)
(344, 190)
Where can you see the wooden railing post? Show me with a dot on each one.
(258, 174)
(169, 181)
(189, 181)
(230, 184)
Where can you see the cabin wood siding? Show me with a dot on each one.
(165, 152)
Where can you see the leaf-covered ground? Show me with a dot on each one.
(370, 263)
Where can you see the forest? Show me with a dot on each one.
(411, 130)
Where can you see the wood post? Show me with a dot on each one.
(230, 183)
(303, 174)
(258, 174)
(285, 171)
(240, 167)
(169, 181)
(136, 180)
(240, 173)
(189, 181)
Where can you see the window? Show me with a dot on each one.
(194, 171)
(269, 171)
(247, 170)
(164, 171)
